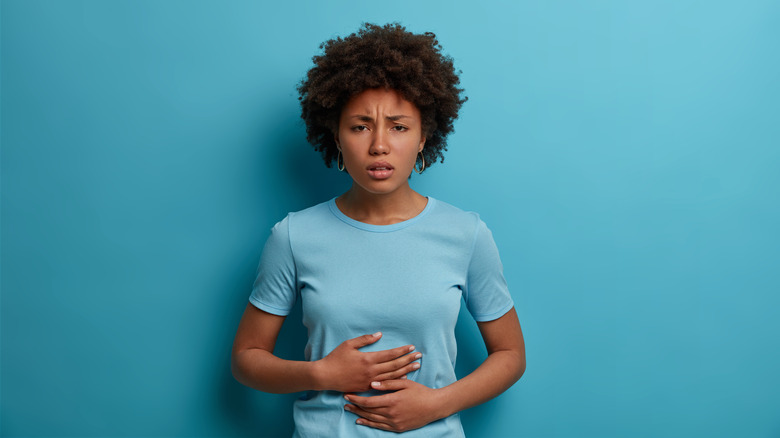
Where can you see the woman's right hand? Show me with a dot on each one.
(347, 369)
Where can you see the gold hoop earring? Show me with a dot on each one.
(423, 164)
(341, 166)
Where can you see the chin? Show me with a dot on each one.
(379, 188)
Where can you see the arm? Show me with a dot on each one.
(345, 369)
(503, 367)
(413, 405)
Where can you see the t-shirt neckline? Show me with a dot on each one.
(380, 228)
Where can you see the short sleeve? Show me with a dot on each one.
(486, 295)
(275, 290)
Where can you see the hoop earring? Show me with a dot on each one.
(423, 164)
(341, 166)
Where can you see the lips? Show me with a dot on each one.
(380, 165)
(380, 170)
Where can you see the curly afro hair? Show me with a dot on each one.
(381, 57)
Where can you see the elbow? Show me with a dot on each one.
(512, 364)
(236, 369)
(519, 365)
(245, 367)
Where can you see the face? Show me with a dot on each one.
(380, 135)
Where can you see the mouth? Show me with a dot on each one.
(380, 170)
(380, 166)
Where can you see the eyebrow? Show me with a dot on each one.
(365, 118)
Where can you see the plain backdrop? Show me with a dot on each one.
(625, 155)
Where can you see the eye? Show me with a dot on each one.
(400, 128)
(359, 128)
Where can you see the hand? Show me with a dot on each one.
(411, 406)
(346, 369)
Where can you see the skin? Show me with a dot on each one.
(378, 126)
(413, 405)
(345, 369)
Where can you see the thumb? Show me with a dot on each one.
(362, 341)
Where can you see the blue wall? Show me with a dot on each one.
(625, 155)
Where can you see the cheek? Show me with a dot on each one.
(351, 157)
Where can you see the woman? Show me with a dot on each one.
(380, 269)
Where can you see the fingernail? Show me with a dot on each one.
(359, 422)
(347, 399)
(403, 377)
(416, 366)
(411, 348)
(377, 334)
(418, 355)
(375, 384)
(346, 407)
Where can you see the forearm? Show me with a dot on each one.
(345, 369)
(261, 370)
(502, 368)
(408, 405)
(497, 373)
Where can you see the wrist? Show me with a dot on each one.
(316, 375)
(443, 402)
(449, 401)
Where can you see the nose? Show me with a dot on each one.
(379, 144)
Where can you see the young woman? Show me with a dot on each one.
(380, 270)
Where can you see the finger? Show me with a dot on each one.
(377, 416)
(391, 385)
(362, 341)
(369, 403)
(374, 424)
(392, 354)
(400, 372)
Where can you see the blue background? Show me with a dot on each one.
(625, 155)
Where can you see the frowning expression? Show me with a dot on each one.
(379, 135)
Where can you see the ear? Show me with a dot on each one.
(336, 139)
(422, 145)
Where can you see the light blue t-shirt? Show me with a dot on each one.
(405, 280)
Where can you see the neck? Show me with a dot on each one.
(381, 209)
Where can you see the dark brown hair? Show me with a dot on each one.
(381, 57)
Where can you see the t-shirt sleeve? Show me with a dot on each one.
(275, 290)
(486, 295)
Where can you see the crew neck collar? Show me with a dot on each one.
(380, 228)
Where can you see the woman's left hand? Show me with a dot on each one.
(411, 406)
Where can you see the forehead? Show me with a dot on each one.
(382, 100)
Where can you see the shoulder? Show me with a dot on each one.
(311, 224)
(450, 215)
(467, 224)
(315, 213)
